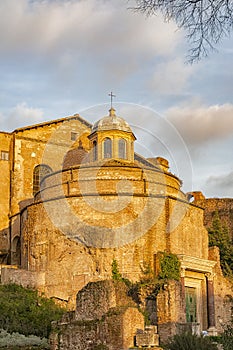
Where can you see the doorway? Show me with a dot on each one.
(191, 304)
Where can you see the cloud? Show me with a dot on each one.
(171, 77)
(221, 183)
(200, 124)
(96, 26)
(19, 116)
(85, 46)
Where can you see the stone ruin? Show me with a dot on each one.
(148, 337)
(105, 318)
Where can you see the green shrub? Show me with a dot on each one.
(169, 266)
(188, 341)
(219, 236)
(25, 312)
(227, 338)
(117, 276)
(19, 340)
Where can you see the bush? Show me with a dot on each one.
(117, 276)
(25, 312)
(227, 338)
(19, 340)
(188, 341)
(169, 267)
(219, 237)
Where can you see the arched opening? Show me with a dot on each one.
(16, 251)
(39, 172)
(107, 148)
(95, 151)
(122, 149)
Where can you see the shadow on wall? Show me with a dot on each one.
(16, 251)
(9, 256)
(4, 246)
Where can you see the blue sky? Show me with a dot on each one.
(61, 57)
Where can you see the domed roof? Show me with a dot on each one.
(111, 122)
(74, 156)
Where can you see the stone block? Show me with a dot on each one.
(149, 337)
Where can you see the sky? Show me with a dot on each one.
(62, 57)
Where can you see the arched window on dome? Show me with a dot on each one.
(122, 149)
(107, 148)
(95, 151)
(39, 172)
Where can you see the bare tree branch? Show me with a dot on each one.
(206, 22)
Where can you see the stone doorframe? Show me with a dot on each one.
(198, 273)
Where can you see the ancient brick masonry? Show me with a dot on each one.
(104, 315)
(62, 230)
(224, 207)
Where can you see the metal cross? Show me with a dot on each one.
(111, 95)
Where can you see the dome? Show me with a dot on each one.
(74, 156)
(111, 122)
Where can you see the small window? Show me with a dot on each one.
(122, 148)
(4, 155)
(39, 172)
(107, 148)
(95, 151)
(73, 136)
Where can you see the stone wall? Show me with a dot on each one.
(11, 274)
(223, 289)
(42, 144)
(186, 233)
(28, 147)
(5, 143)
(170, 309)
(83, 223)
(56, 245)
(224, 206)
(104, 315)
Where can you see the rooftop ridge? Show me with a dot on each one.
(55, 121)
(5, 132)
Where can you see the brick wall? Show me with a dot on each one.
(224, 206)
(104, 315)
